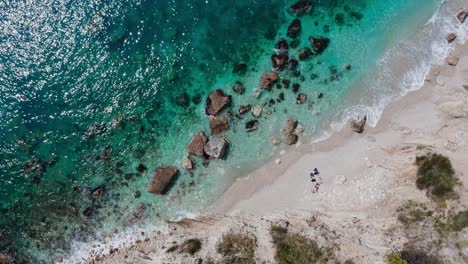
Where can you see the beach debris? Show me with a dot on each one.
(162, 179)
(301, 98)
(275, 141)
(218, 124)
(305, 53)
(451, 37)
(462, 15)
(294, 28)
(257, 111)
(238, 87)
(268, 79)
(216, 102)
(243, 109)
(94, 130)
(196, 145)
(281, 46)
(279, 61)
(358, 123)
(319, 43)
(251, 125)
(187, 163)
(452, 60)
(215, 148)
(300, 7)
(239, 67)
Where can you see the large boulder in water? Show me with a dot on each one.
(218, 124)
(358, 123)
(268, 79)
(294, 28)
(216, 102)
(300, 7)
(196, 145)
(215, 148)
(279, 61)
(162, 179)
(319, 43)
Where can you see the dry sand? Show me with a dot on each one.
(364, 179)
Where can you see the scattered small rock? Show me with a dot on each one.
(301, 98)
(94, 130)
(462, 15)
(275, 141)
(279, 61)
(452, 60)
(300, 7)
(244, 109)
(277, 161)
(291, 139)
(257, 111)
(305, 53)
(347, 67)
(141, 168)
(319, 43)
(358, 123)
(268, 79)
(239, 68)
(196, 145)
(216, 102)
(215, 148)
(282, 46)
(451, 37)
(294, 28)
(187, 163)
(289, 126)
(239, 87)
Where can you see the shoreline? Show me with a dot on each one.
(245, 197)
(273, 192)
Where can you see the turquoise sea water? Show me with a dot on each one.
(139, 72)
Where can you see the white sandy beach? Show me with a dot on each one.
(364, 178)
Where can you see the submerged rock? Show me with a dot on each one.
(282, 46)
(462, 15)
(162, 179)
(183, 100)
(319, 43)
(300, 7)
(216, 102)
(294, 43)
(94, 130)
(275, 141)
(137, 214)
(292, 64)
(196, 145)
(301, 98)
(305, 53)
(358, 123)
(239, 67)
(279, 61)
(251, 125)
(238, 87)
(215, 148)
(218, 124)
(294, 28)
(268, 79)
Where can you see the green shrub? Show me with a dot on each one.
(395, 258)
(237, 249)
(458, 222)
(436, 175)
(172, 249)
(295, 249)
(191, 246)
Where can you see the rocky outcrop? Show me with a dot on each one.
(218, 124)
(451, 37)
(162, 179)
(268, 80)
(358, 123)
(462, 15)
(216, 102)
(196, 145)
(294, 29)
(305, 53)
(215, 148)
(251, 125)
(238, 88)
(300, 7)
(319, 44)
(279, 61)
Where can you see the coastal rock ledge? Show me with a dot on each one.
(162, 179)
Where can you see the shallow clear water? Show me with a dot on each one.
(68, 65)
